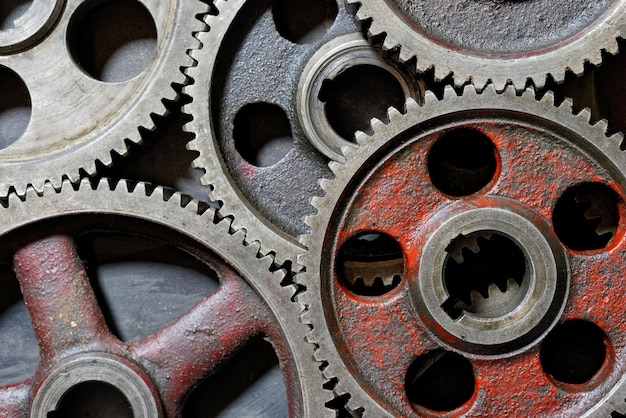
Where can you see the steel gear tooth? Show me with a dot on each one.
(404, 55)
(586, 114)
(191, 145)
(4, 189)
(32, 193)
(429, 99)
(578, 68)
(449, 92)
(612, 47)
(361, 137)
(501, 85)
(20, 189)
(441, 72)
(412, 106)
(376, 124)
(603, 125)
(388, 44)
(480, 81)
(393, 113)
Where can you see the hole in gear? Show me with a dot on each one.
(11, 10)
(303, 21)
(483, 274)
(573, 352)
(262, 134)
(94, 400)
(15, 107)
(462, 162)
(370, 264)
(357, 95)
(113, 41)
(250, 384)
(586, 216)
(440, 381)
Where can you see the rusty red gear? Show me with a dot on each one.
(157, 373)
(449, 191)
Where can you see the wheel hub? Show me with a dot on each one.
(125, 389)
(491, 278)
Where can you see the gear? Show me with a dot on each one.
(498, 41)
(74, 111)
(261, 130)
(153, 374)
(498, 312)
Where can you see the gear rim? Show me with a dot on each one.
(605, 150)
(465, 67)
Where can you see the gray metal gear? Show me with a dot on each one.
(498, 41)
(258, 73)
(370, 341)
(76, 120)
(146, 370)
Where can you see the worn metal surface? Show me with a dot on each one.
(501, 41)
(163, 368)
(248, 61)
(371, 343)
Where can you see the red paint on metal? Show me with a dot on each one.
(14, 400)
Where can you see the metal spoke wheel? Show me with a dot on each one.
(91, 362)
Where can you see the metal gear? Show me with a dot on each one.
(81, 112)
(506, 213)
(279, 91)
(154, 374)
(498, 41)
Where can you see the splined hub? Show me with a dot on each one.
(490, 286)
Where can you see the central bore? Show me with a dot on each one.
(483, 274)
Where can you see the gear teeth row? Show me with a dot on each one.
(455, 250)
(370, 272)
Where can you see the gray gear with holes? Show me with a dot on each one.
(69, 119)
(498, 41)
(371, 330)
(148, 381)
(253, 76)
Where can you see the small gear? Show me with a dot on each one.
(498, 313)
(496, 40)
(42, 233)
(69, 102)
(259, 116)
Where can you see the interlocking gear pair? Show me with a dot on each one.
(378, 342)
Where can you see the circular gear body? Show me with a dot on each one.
(81, 101)
(498, 41)
(153, 374)
(261, 129)
(460, 247)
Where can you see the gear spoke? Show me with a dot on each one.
(203, 339)
(59, 297)
(14, 401)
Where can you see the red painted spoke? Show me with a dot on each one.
(14, 401)
(59, 297)
(187, 351)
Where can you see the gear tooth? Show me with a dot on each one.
(192, 145)
(48, 189)
(410, 105)
(586, 114)
(429, 99)
(13, 199)
(360, 137)
(449, 92)
(361, 14)
(4, 189)
(32, 193)
(376, 29)
(405, 55)
(388, 44)
(441, 72)
(578, 67)
(479, 81)
(377, 124)
(469, 89)
(500, 84)
(255, 247)
(20, 189)
(612, 47)
(617, 137)
(602, 124)
(140, 189)
(240, 235)
(393, 113)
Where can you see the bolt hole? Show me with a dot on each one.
(370, 264)
(15, 107)
(303, 21)
(440, 381)
(11, 10)
(114, 40)
(483, 274)
(573, 352)
(93, 399)
(462, 162)
(586, 216)
(357, 95)
(262, 134)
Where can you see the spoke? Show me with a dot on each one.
(59, 297)
(193, 347)
(14, 401)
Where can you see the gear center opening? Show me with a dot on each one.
(484, 274)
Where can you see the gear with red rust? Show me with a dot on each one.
(83, 361)
(500, 41)
(502, 218)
